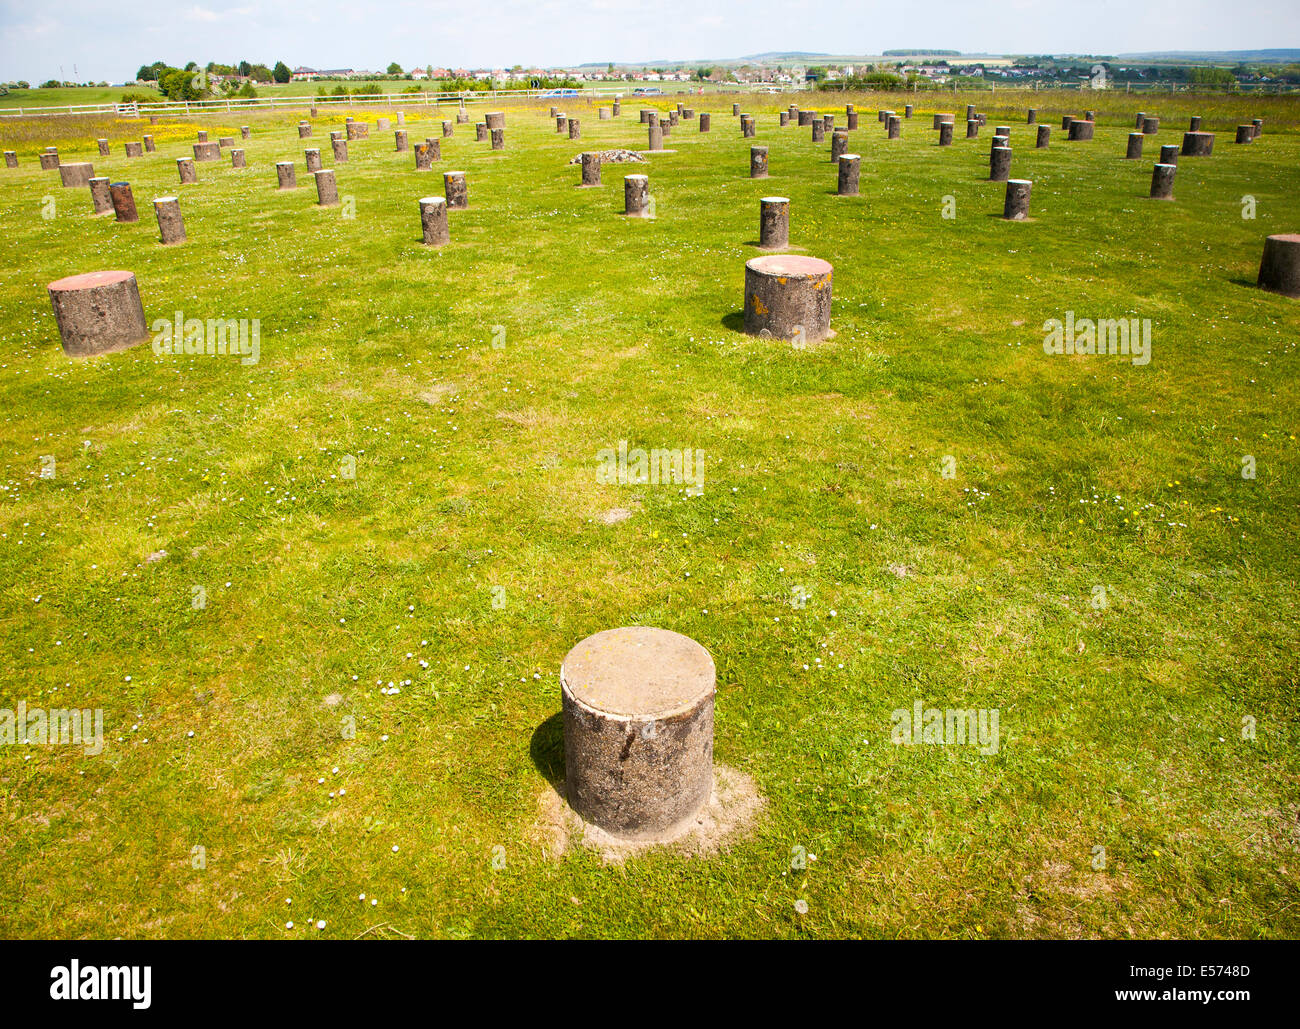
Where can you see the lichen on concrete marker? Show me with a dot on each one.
(788, 297)
(456, 189)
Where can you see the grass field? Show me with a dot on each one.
(1097, 569)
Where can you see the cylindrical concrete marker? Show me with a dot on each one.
(788, 297)
(1162, 181)
(850, 167)
(327, 190)
(123, 202)
(1169, 153)
(76, 173)
(433, 221)
(171, 226)
(1198, 144)
(100, 195)
(1044, 137)
(591, 168)
(288, 178)
(1245, 134)
(498, 139)
(1134, 150)
(839, 144)
(1000, 164)
(758, 162)
(456, 190)
(401, 143)
(1016, 206)
(704, 121)
(98, 312)
(1279, 270)
(237, 158)
(636, 196)
(945, 133)
(638, 731)
(773, 223)
(185, 169)
(340, 147)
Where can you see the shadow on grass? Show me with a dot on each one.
(547, 750)
(734, 321)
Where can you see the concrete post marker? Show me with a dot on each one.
(98, 312)
(636, 196)
(773, 223)
(171, 226)
(1279, 269)
(788, 297)
(433, 221)
(638, 731)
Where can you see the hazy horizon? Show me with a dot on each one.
(111, 43)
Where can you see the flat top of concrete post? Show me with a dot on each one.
(646, 177)
(446, 174)
(1020, 182)
(850, 157)
(638, 671)
(789, 265)
(164, 200)
(277, 162)
(775, 200)
(432, 200)
(1286, 237)
(89, 280)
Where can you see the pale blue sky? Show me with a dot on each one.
(107, 40)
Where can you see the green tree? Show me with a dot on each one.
(282, 73)
(395, 69)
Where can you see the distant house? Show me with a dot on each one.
(309, 74)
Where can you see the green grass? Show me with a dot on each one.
(1120, 728)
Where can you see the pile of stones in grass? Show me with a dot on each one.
(614, 157)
